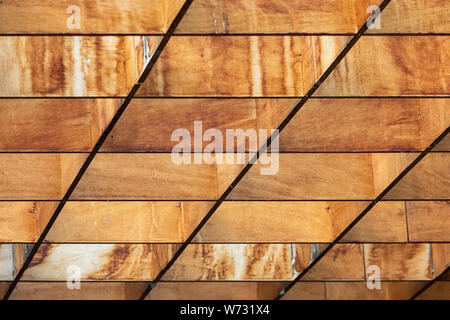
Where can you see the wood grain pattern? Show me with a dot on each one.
(143, 261)
(415, 16)
(306, 291)
(233, 262)
(400, 261)
(366, 125)
(310, 176)
(129, 16)
(238, 66)
(44, 66)
(365, 69)
(429, 179)
(146, 176)
(440, 290)
(428, 220)
(262, 16)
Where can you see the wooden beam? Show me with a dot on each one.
(364, 71)
(100, 17)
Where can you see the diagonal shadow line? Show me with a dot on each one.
(264, 148)
(430, 283)
(98, 145)
(364, 212)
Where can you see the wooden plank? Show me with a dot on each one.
(342, 262)
(211, 291)
(110, 17)
(146, 176)
(429, 179)
(233, 262)
(400, 261)
(306, 291)
(143, 262)
(310, 176)
(59, 291)
(385, 222)
(262, 16)
(428, 220)
(238, 66)
(60, 66)
(18, 221)
(366, 125)
(440, 290)
(364, 70)
(53, 124)
(358, 290)
(415, 16)
(6, 262)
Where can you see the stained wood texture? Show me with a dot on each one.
(262, 16)
(429, 179)
(428, 220)
(392, 66)
(440, 290)
(143, 262)
(416, 16)
(323, 176)
(53, 124)
(62, 66)
(173, 221)
(366, 125)
(401, 261)
(215, 291)
(355, 290)
(97, 17)
(37, 176)
(240, 66)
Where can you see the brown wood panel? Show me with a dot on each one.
(415, 16)
(366, 125)
(429, 179)
(306, 291)
(392, 66)
(428, 220)
(400, 261)
(310, 176)
(146, 176)
(233, 262)
(126, 16)
(440, 290)
(49, 66)
(270, 16)
(358, 290)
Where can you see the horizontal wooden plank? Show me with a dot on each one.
(429, 179)
(110, 17)
(143, 262)
(310, 176)
(428, 220)
(415, 16)
(262, 16)
(365, 69)
(366, 125)
(62, 66)
(240, 66)
(440, 290)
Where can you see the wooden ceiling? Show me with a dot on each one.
(86, 176)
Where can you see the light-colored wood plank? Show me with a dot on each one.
(306, 291)
(129, 16)
(18, 221)
(366, 125)
(310, 176)
(428, 220)
(415, 16)
(233, 262)
(429, 179)
(6, 262)
(269, 16)
(146, 176)
(392, 66)
(49, 66)
(400, 261)
(358, 290)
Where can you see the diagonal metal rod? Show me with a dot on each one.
(99, 144)
(263, 149)
(364, 212)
